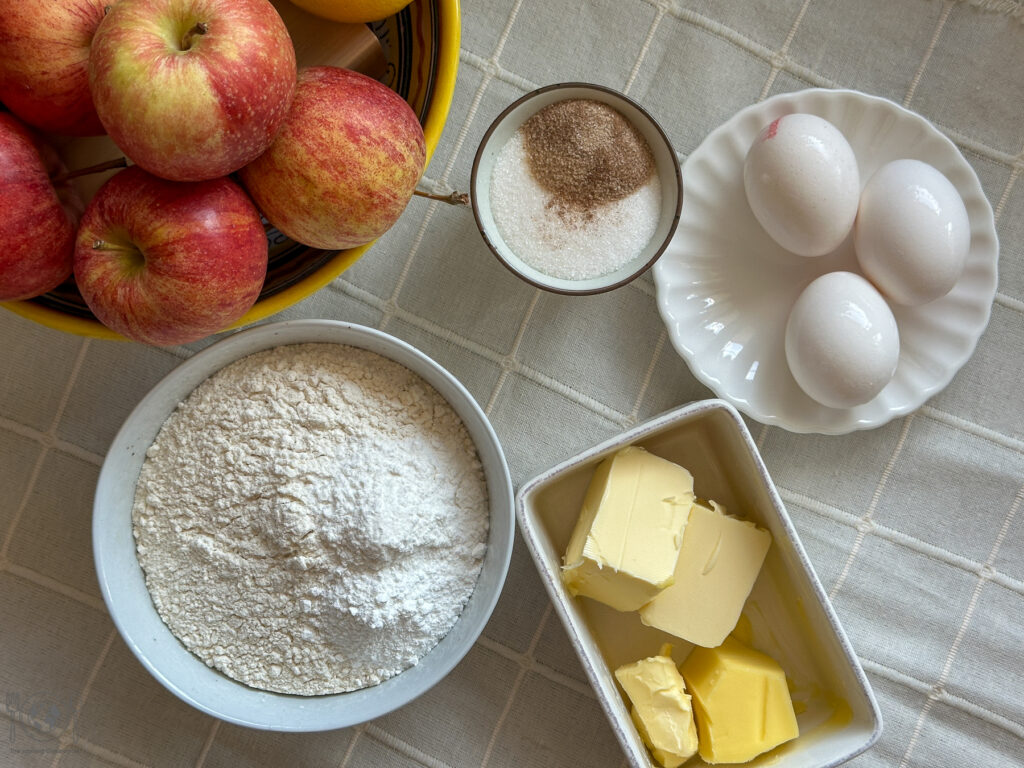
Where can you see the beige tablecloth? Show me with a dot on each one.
(916, 529)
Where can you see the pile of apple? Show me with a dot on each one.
(204, 99)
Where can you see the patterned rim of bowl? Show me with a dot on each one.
(296, 271)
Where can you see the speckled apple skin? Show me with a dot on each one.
(195, 114)
(193, 262)
(36, 232)
(345, 163)
(44, 67)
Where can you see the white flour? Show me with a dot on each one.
(312, 519)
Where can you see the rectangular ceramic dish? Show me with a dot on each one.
(787, 615)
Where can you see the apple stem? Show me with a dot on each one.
(103, 245)
(455, 198)
(201, 28)
(120, 162)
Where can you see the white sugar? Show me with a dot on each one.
(573, 246)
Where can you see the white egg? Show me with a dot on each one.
(842, 343)
(912, 233)
(802, 183)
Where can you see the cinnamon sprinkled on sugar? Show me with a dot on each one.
(585, 154)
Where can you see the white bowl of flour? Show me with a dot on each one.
(304, 526)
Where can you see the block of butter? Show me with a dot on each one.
(740, 700)
(625, 545)
(661, 708)
(718, 564)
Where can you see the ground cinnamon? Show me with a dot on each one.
(585, 154)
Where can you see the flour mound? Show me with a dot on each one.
(312, 519)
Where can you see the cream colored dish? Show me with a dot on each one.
(788, 616)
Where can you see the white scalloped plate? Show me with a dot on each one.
(724, 288)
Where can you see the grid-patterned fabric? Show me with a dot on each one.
(916, 529)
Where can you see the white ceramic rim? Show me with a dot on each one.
(824, 420)
(667, 163)
(122, 581)
(605, 689)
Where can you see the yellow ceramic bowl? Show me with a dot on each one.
(421, 46)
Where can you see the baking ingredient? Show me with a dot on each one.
(188, 90)
(311, 519)
(37, 219)
(573, 192)
(345, 163)
(741, 702)
(167, 262)
(586, 154)
(842, 343)
(661, 708)
(353, 11)
(44, 72)
(720, 559)
(802, 183)
(912, 232)
(626, 541)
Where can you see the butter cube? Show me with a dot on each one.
(624, 547)
(718, 564)
(661, 709)
(740, 700)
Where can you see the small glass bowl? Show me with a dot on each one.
(666, 166)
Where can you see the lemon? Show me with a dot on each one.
(352, 11)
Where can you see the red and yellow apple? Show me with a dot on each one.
(192, 89)
(44, 55)
(167, 262)
(345, 163)
(37, 223)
